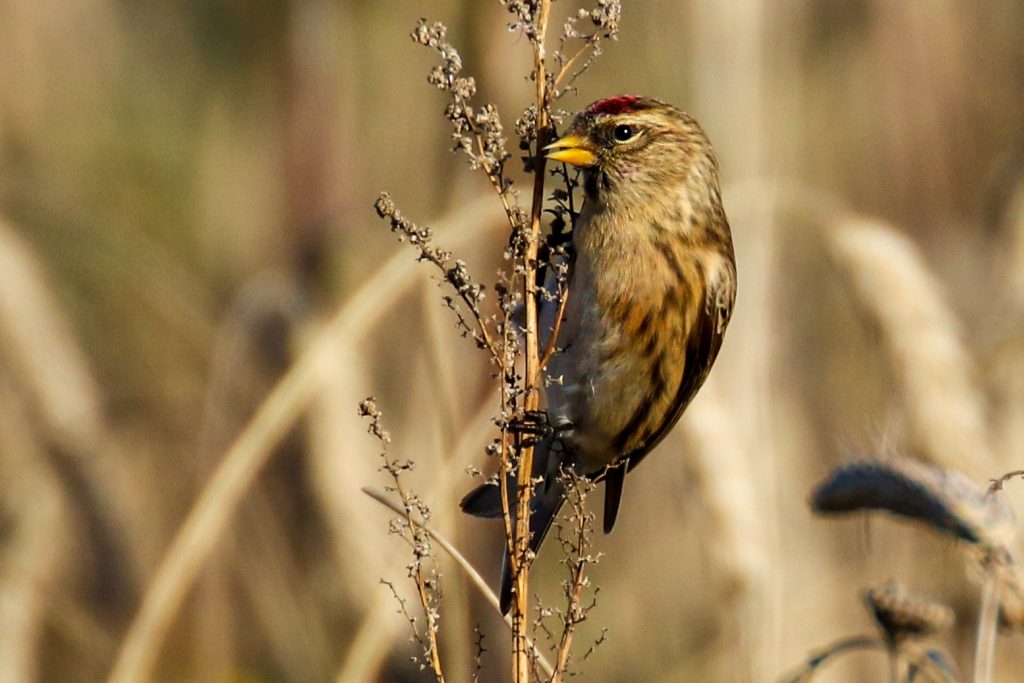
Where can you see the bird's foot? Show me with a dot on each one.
(532, 423)
(536, 424)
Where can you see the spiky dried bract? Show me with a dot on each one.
(902, 614)
(944, 499)
(525, 13)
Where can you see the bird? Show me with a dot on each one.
(651, 291)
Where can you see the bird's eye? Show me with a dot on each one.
(624, 133)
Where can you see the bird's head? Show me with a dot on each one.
(630, 145)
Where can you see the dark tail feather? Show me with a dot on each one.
(544, 507)
(613, 495)
(549, 494)
(485, 500)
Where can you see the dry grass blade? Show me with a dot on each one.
(730, 494)
(250, 451)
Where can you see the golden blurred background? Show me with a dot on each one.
(187, 193)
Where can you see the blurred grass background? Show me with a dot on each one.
(185, 197)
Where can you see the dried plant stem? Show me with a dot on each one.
(575, 612)
(565, 642)
(553, 342)
(988, 621)
(426, 595)
(519, 558)
(468, 569)
(464, 564)
(564, 70)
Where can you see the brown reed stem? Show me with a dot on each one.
(520, 664)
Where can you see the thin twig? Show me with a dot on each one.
(997, 484)
(564, 69)
(553, 342)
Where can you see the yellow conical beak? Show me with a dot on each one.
(572, 149)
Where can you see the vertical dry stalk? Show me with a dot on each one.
(575, 547)
(739, 533)
(988, 622)
(1014, 229)
(520, 561)
(922, 339)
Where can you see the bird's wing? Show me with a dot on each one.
(702, 346)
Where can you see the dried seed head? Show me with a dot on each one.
(944, 499)
(902, 614)
(606, 17)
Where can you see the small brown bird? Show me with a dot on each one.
(650, 295)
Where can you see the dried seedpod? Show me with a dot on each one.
(903, 615)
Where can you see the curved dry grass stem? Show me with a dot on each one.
(251, 450)
(921, 336)
(818, 659)
(468, 569)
